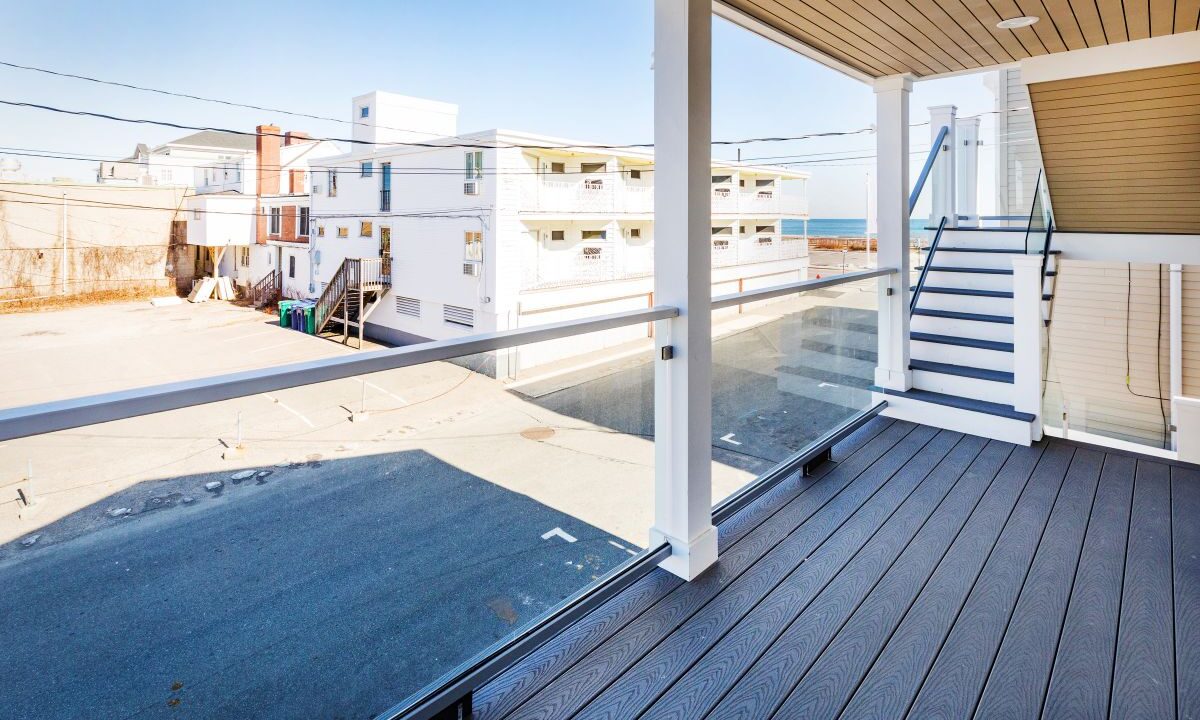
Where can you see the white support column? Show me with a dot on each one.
(891, 203)
(682, 278)
(1176, 315)
(942, 180)
(967, 167)
(1027, 338)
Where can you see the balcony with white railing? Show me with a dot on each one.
(610, 194)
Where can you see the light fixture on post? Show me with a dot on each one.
(1017, 22)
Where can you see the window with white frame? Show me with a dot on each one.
(291, 266)
(365, 167)
(473, 246)
(244, 256)
(333, 183)
(303, 231)
(635, 233)
(343, 232)
(364, 111)
(274, 220)
(595, 234)
(474, 164)
(592, 167)
(558, 168)
(558, 235)
(366, 229)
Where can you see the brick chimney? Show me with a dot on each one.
(267, 156)
(293, 137)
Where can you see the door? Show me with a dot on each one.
(385, 251)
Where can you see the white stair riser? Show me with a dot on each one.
(967, 387)
(967, 421)
(975, 281)
(976, 238)
(963, 328)
(959, 355)
(981, 305)
(1002, 261)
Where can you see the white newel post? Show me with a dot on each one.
(1027, 338)
(891, 203)
(1176, 345)
(682, 278)
(966, 159)
(943, 187)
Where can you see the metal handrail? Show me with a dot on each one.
(50, 417)
(912, 304)
(933, 153)
(774, 291)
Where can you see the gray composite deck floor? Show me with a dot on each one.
(922, 573)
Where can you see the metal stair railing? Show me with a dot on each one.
(937, 238)
(335, 292)
(264, 290)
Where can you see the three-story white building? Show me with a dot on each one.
(502, 229)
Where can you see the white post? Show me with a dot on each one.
(1176, 309)
(967, 171)
(941, 179)
(682, 278)
(891, 202)
(64, 244)
(1027, 338)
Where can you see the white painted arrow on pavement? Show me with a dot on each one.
(559, 532)
(728, 437)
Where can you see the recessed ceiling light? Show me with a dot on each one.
(1017, 22)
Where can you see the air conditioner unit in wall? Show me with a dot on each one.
(471, 187)
(471, 268)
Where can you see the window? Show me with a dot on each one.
(722, 231)
(456, 315)
(320, 231)
(764, 228)
(558, 234)
(273, 227)
(291, 266)
(366, 228)
(595, 234)
(473, 246)
(365, 168)
(196, 214)
(558, 168)
(635, 174)
(718, 179)
(385, 188)
(343, 232)
(474, 165)
(745, 229)
(408, 306)
(741, 183)
(333, 183)
(303, 222)
(244, 256)
(364, 111)
(764, 183)
(635, 233)
(592, 167)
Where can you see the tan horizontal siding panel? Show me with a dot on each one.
(1178, 94)
(1119, 77)
(1187, 75)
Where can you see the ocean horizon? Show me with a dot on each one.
(845, 227)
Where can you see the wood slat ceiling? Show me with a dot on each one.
(1122, 151)
(930, 37)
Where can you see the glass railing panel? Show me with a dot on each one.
(1039, 224)
(1108, 374)
(785, 372)
(320, 551)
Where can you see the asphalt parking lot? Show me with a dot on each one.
(341, 565)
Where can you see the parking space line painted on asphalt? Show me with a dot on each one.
(728, 437)
(291, 410)
(385, 391)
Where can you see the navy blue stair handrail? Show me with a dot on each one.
(937, 238)
(929, 161)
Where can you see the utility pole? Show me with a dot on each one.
(64, 244)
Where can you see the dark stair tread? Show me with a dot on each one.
(961, 371)
(980, 406)
(955, 315)
(972, 228)
(1002, 294)
(962, 341)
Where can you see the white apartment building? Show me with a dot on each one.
(524, 229)
(175, 162)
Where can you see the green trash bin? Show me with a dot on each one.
(310, 319)
(284, 305)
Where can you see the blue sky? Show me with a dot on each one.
(573, 69)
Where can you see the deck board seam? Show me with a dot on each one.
(822, 542)
(932, 571)
(1171, 547)
(974, 583)
(1112, 680)
(882, 456)
(886, 570)
(1024, 579)
(1062, 625)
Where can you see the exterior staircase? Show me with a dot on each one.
(961, 335)
(353, 293)
(266, 291)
